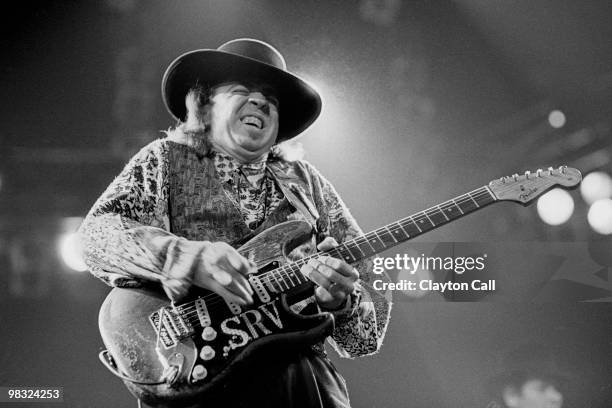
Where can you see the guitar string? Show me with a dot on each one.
(268, 277)
(188, 310)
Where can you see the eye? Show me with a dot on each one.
(273, 100)
(240, 90)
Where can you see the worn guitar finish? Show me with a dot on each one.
(200, 340)
(172, 355)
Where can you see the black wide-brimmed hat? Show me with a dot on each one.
(246, 60)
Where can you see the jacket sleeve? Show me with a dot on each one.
(361, 328)
(126, 236)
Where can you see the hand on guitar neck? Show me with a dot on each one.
(335, 279)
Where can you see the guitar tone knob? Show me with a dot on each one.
(199, 372)
(207, 353)
(209, 333)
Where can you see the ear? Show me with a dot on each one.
(510, 396)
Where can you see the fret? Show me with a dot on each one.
(359, 244)
(290, 279)
(385, 237)
(456, 205)
(416, 225)
(467, 205)
(294, 274)
(297, 266)
(475, 202)
(348, 251)
(390, 234)
(337, 253)
(410, 225)
(270, 285)
(356, 245)
(406, 234)
(426, 215)
(301, 278)
(436, 216)
(442, 211)
(375, 242)
(423, 223)
(490, 193)
(483, 197)
(283, 279)
(367, 239)
(450, 210)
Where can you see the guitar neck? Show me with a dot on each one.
(289, 276)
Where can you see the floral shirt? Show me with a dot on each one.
(249, 187)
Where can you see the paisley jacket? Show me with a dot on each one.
(168, 194)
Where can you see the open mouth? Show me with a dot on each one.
(252, 121)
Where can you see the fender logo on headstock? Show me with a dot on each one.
(526, 193)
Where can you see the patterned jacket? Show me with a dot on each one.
(168, 194)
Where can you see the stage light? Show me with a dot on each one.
(600, 216)
(71, 252)
(595, 186)
(555, 207)
(415, 277)
(556, 119)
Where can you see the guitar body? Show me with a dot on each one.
(175, 354)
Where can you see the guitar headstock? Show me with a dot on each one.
(526, 187)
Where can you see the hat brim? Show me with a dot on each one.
(300, 104)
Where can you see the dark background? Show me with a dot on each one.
(423, 101)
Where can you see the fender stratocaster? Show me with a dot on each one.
(172, 354)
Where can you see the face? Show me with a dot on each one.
(243, 120)
(534, 394)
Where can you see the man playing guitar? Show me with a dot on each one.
(176, 215)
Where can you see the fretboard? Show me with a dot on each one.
(289, 276)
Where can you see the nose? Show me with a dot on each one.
(259, 100)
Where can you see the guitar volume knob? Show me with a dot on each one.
(209, 333)
(207, 353)
(199, 372)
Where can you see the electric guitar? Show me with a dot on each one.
(170, 354)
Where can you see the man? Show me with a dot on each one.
(183, 204)
(529, 379)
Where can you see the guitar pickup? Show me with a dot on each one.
(170, 326)
(233, 307)
(202, 312)
(259, 288)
